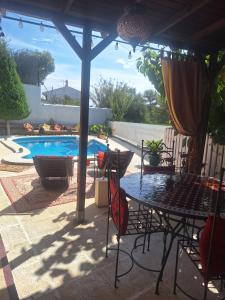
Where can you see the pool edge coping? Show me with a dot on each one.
(17, 156)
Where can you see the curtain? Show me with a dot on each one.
(186, 87)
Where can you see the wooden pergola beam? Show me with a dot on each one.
(209, 29)
(103, 44)
(177, 18)
(68, 37)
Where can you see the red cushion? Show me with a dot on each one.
(119, 207)
(217, 260)
(101, 159)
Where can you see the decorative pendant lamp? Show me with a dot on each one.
(134, 25)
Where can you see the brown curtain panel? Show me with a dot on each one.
(186, 86)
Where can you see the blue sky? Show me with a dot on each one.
(110, 64)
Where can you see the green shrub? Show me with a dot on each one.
(100, 129)
(12, 96)
(51, 121)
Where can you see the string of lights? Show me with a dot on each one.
(42, 26)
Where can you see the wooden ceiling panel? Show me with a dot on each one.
(173, 21)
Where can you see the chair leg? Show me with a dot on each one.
(117, 261)
(205, 289)
(150, 228)
(107, 234)
(175, 273)
(149, 241)
(164, 263)
(94, 171)
(165, 235)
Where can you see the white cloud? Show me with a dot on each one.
(42, 40)
(19, 44)
(124, 63)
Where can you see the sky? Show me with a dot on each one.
(109, 64)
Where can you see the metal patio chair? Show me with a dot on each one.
(166, 162)
(206, 249)
(136, 221)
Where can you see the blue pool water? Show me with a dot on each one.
(57, 146)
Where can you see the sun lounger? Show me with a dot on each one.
(54, 171)
(29, 128)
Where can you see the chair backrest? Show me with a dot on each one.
(54, 166)
(212, 241)
(166, 164)
(118, 161)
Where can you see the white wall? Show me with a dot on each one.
(135, 132)
(64, 114)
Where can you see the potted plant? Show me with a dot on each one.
(154, 149)
(154, 153)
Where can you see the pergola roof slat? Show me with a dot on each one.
(191, 24)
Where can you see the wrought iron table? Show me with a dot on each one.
(185, 197)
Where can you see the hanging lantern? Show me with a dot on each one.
(134, 26)
(129, 55)
(42, 28)
(20, 24)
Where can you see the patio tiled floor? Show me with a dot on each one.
(52, 258)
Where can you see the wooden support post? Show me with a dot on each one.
(86, 54)
(84, 114)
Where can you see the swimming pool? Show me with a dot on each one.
(57, 146)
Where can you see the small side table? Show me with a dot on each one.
(101, 192)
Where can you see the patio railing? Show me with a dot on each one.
(213, 158)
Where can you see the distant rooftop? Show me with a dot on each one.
(66, 90)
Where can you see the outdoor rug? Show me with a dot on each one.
(26, 192)
(13, 168)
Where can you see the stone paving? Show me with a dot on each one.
(53, 258)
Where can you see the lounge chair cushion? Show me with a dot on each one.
(46, 127)
(28, 127)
